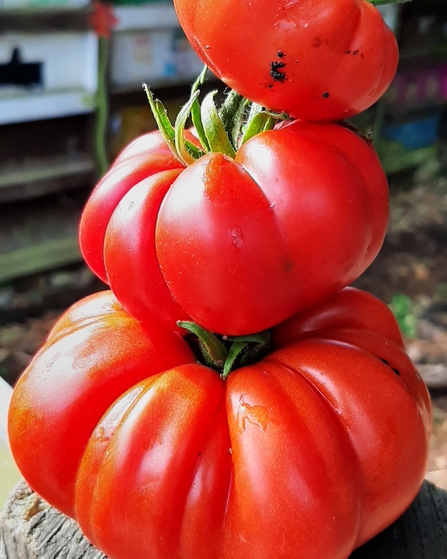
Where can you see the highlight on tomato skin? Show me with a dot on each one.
(238, 244)
(117, 424)
(315, 60)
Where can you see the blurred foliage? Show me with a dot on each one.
(404, 309)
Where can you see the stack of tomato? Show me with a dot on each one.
(229, 397)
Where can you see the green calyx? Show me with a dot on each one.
(226, 353)
(220, 130)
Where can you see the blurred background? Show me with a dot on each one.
(71, 98)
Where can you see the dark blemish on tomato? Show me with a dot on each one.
(317, 42)
(280, 54)
(348, 52)
(325, 95)
(355, 52)
(387, 363)
(275, 71)
(288, 266)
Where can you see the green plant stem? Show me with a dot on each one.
(102, 108)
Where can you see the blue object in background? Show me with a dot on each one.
(417, 133)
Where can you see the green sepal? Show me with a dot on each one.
(259, 123)
(231, 114)
(187, 152)
(162, 120)
(195, 110)
(242, 350)
(218, 140)
(235, 350)
(213, 350)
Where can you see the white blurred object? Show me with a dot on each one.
(9, 474)
(69, 69)
(390, 13)
(154, 56)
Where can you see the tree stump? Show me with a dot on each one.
(31, 529)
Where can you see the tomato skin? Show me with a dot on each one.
(146, 156)
(304, 455)
(319, 60)
(240, 245)
(93, 354)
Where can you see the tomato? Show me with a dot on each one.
(305, 454)
(316, 60)
(94, 353)
(147, 155)
(238, 245)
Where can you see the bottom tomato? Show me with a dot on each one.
(305, 454)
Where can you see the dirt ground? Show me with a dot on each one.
(410, 272)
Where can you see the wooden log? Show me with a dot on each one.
(31, 529)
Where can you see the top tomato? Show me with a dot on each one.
(313, 59)
(237, 245)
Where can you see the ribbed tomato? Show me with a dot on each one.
(238, 245)
(313, 59)
(305, 454)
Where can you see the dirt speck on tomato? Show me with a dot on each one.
(276, 70)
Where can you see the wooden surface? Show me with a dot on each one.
(30, 529)
(9, 474)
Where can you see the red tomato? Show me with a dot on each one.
(238, 245)
(305, 454)
(316, 60)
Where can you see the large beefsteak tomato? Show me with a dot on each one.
(314, 59)
(237, 245)
(305, 454)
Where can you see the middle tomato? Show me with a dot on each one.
(237, 245)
